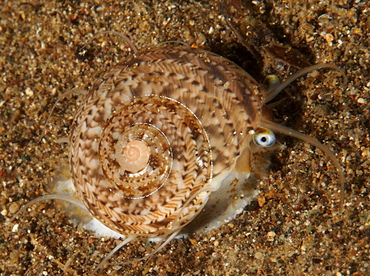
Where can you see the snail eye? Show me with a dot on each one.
(264, 138)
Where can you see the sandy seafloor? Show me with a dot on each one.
(294, 227)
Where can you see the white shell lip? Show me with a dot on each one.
(78, 215)
(219, 209)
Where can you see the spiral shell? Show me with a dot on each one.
(158, 134)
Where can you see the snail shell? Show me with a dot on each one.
(173, 137)
(162, 134)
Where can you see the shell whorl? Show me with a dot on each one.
(181, 117)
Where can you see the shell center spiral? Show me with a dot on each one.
(134, 157)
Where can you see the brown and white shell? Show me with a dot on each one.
(160, 135)
(172, 140)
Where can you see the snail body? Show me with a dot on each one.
(191, 112)
(173, 140)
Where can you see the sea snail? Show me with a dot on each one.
(170, 137)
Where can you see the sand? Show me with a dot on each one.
(293, 228)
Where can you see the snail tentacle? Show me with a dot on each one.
(111, 253)
(293, 133)
(67, 198)
(271, 94)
